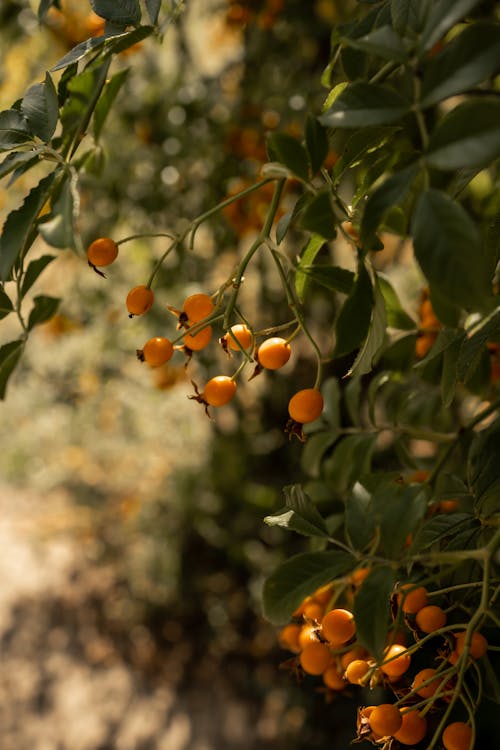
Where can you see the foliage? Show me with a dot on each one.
(402, 464)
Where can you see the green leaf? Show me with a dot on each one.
(298, 577)
(359, 144)
(14, 129)
(376, 384)
(314, 450)
(359, 523)
(316, 142)
(79, 52)
(371, 610)
(153, 9)
(363, 104)
(353, 320)
(467, 60)
(287, 150)
(445, 338)
(393, 191)
(439, 528)
(300, 514)
(43, 309)
(283, 226)
(449, 251)
(351, 459)
(9, 357)
(15, 159)
(331, 277)
(484, 470)
(396, 316)
(123, 13)
(106, 100)
(352, 400)
(331, 409)
(5, 304)
(375, 338)
(405, 15)
(473, 345)
(33, 271)
(40, 106)
(397, 510)
(17, 231)
(449, 373)
(314, 245)
(383, 42)
(468, 136)
(58, 229)
(442, 16)
(318, 216)
(114, 43)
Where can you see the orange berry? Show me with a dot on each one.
(157, 351)
(197, 306)
(313, 611)
(423, 344)
(306, 405)
(352, 655)
(315, 658)
(349, 229)
(412, 598)
(307, 635)
(427, 691)
(453, 657)
(242, 333)
(385, 719)
(338, 626)
(139, 300)
(358, 576)
(478, 644)
(457, 736)
(430, 618)
(333, 678)
(399, 661)
(289, 637)
(102, 252)
(198, 341)
(273, 353)
(356, 671)
(219, 390)
(323, 594)
(413, 727)
(448, 506)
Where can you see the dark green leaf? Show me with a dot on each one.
(375, 339)
(40, 106)
(353, 321)
(18, 226)
(123, 13)
(309, 253)
(438, 528)
(352, 400)
(80, 102)
(396, 316)
(393, 191)
(359, 144)
(449, 373)
(287, 150)
(13, 129)
(283, 226)
(443, 15)
(473, 345)
(354, 63)
(397, 510)
(153, 9)
(468, 136)
(5, 304)
(383, 42)
(466, 61)
(484, 469)
(79, 52)
(43, 309)
(376, 384)
(359, 524)
(33, 271)
(316, 142)
(9, 357)
(405, 15)
(445, 338)
(371, 610)
(318, 216)
(58, 229)
(363, 104)
(15, 159)
(106, 100)
(331, 277)
(449, 251)
(314, 450)
(331, 409)
(299, 577)
(351, 459)
(300, 514)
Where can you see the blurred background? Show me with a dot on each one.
(133, 545)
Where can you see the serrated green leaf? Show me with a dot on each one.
(331, 277)
(9, 357)
(359, 144)
(5, 304)
(446, 241)
(383, 42)
(15, 159)
(375, 338)
(464, 62)
(359, 523)
(287, 150)
(363, 104)
(318, 217)
(14, 129)
(33, 271)
(300, 514)
(353, 320)
(124, 13)
(393, 191)
(442, 16)
(484, 470)
(44, 308)
(438, 528)
(17, 230)
(58, 229)
(473, 345)
(109, 94)
(40, 106)
(309, 253)
(79, 52)
(298, 577)
(371, 610)
(316, 142)
(468, 137)
(449, 372)
(395, 315)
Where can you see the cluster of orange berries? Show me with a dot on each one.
(194, 318)
(240, 13)
(324, 642)
(429, 325)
